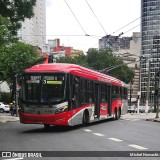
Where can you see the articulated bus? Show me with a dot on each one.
(68, 95)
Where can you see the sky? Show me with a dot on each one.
(112, 15)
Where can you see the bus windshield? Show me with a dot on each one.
(44, 87)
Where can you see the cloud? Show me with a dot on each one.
(49, 3)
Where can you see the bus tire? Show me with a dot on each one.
(118, 113)
(115, 116)
(85, 119)
(47, 126)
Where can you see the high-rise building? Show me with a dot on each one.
(150, 47)
(33, 30)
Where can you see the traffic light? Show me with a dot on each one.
(50, 58)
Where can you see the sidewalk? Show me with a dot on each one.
(8, 118)
(146, 116)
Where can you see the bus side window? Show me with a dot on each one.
(75, 91)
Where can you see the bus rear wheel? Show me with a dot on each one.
(118, 113)
(85, 119)
(115, 116)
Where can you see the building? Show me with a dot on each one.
(128, 49)
(62, 51)
(33, 30)
(150, 29)
(55, 47)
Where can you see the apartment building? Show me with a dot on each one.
(33, 30)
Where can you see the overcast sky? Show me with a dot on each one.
(112, 14)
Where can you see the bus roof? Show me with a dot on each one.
(77, 70)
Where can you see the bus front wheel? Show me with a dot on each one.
(47, 126)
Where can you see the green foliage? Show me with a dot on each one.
(80, 60)
(17, 11)
(5, 97)
(5, 33)
(103, 60)
(16, 57)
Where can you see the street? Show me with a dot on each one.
(121, 135)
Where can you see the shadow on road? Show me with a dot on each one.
(52, 129)
(55, 129)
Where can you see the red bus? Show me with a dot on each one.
(69, 94)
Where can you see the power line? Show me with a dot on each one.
(126, 25)
(63, 35)
(76, 18)
(96, 16)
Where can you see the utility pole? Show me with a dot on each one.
(130, 93)
(157, 111)
(148, 87)
(16, 96)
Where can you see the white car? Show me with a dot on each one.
(4, 107)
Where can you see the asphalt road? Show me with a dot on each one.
(122, 135)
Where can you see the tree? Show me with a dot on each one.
(14, 59)
(17, 57)
(6, 36)
(17, 11)
(101, 60)
(80, 60)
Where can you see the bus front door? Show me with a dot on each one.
(109, 99)
(97, 100)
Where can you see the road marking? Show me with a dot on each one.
(137, 147)
(87, 130)
(13, 159)
(135, 119)
(115, 139)
(131, 119)
(98, 134)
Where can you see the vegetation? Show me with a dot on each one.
(105, 61)
(16, 11)
(5, 97)
(15, 56)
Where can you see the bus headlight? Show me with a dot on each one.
(61, 109)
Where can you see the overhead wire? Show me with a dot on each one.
(76, 18)
(95, 16)
(126, 25)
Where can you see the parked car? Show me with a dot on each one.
(4, 107)
(142, 109)
(131, 109)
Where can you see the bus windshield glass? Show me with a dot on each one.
(44, 87)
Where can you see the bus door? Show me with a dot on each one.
(109, 100)
(97, 100)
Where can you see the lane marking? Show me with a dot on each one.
(13, 159)
(137, 147)
(115, 139)
(87, 130)
(135, 119)
(98, 134)
(131, 119)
